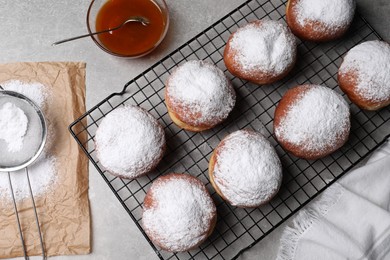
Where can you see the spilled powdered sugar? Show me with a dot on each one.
(315, 120)
(202, 90)
(270, 47)
(42, 177)
(371, 62)
(181, 215)
(13, 126)
(333, 13)
(247, 171)
(34, 91)
(128, 141)
(43, 172)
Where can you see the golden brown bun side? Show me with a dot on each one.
(280, 112)
(175, 118)
(149, 203)
(313, 30)
(211, 174)
(257, 77)
(348, 82)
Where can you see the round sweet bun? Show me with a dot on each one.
(364, 75)
(129, 142)
(262, 52)
(320, 20)
(245, 170)
(198, 96)
(312, 121)
(178, 213)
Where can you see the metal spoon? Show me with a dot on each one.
(139, 19)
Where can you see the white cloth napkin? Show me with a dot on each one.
(350, 220)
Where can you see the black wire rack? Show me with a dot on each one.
(187, 152)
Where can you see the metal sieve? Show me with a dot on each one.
(33, 144)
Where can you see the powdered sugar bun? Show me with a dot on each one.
(364, 75)
(179, 213)
(245, 170)
(129, 142)
(263, 51)
(312, 121)
(198, 96)
(320, 20)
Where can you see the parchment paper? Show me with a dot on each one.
(64, 211)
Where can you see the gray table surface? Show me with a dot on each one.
(29, 27)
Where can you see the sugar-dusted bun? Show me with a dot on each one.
(320, 20)
(198, 96)
(129, 142)
(364, 75)
(178, 213)
(263, 51)
(312, 121)
(245, 170)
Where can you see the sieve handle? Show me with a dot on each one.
(17, 216)
(36, 215)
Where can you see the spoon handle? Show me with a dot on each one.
(85, 35)
(139, 19)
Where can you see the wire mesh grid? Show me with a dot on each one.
(189, 152)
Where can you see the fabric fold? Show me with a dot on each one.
(350, 220)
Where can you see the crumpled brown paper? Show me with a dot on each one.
(64, 211)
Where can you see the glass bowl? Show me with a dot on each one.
(92, 16)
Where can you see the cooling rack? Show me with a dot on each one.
(238, 229)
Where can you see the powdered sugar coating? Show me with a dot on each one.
(247, 169)
(316, 120)
(129, 142)
(200, 93)
(13, 126)
(370, 61)
(266, 45)
(181, 213)
(334, 14)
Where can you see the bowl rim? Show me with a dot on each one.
(130, 56)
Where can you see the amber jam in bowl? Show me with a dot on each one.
(133, 40)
